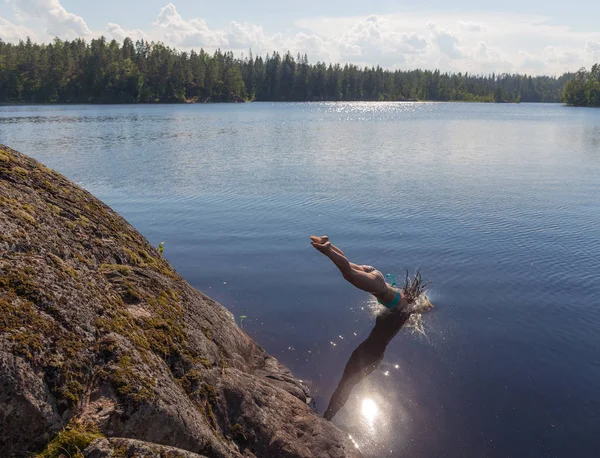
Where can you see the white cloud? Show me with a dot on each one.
(530, 63)
(486, 59)
(593, 49)
(447, 43)
(374, 40)
(592, 46)
(569, 57)
(246, 36)
(116, 32)
(190, 33)
(470, 26)
(59, 22)
(13, 32)
(310, 44)
(512, 40)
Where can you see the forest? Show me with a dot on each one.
(103, 71)
(583, 90)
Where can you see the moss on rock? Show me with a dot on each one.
(71, 441)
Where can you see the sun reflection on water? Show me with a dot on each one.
(369, 411)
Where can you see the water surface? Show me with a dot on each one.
(497, 204)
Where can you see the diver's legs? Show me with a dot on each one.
(353, 273)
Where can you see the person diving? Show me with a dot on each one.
(400, 302)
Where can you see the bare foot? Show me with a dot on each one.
(321, 243)
(319, 239)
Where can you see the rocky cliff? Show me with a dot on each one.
(105, 351)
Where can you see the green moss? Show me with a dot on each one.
(120, 451)
(209, 394)
(238, 432)
(71, 441)
(83, 260)
(205, 362)
(23, 325)
(131, 295)
(203, 394)
(141, 258)
(192, 381)
(132, 384)
(71, 391)
(121, 322)
(63, 266)
(54, 209)
(118, 268)
(164, 330)
(133, 257)
(23, 285)
(20, 171)
(36, 337)
(146, 257)
(24, 216)
(48, 186)
(4, 156)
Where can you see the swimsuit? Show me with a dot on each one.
(395, 301)
(397, 298)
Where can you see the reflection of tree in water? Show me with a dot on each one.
(369, 354)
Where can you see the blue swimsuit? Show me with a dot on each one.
(397, 298)
(395, 301)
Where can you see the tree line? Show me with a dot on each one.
(103, 71)
(583, 90)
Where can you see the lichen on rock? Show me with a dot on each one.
(97, 329)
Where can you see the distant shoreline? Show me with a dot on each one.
(34, 104)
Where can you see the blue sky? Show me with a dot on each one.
(536, 37)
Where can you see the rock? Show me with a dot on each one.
(119, 447)
(98, 332)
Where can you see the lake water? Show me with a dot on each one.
(497, 204)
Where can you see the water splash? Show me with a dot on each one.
(415, 322)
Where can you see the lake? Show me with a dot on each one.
(498, 204)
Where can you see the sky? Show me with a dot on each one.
(534, 37)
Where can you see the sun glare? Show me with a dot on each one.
(369, 410)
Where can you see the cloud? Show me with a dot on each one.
(469, 26)
(13, 32)
(530, 63)
(194, 32)
(447, 43)
(310, 44)
(374, 40)
(59, 22)
(116, 32)
(592, 46)
(246, 35)
(561, 56)
(593, 49)
(552, 57)
(484, 58)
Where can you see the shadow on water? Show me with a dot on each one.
(367, 357)
(369, 354)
